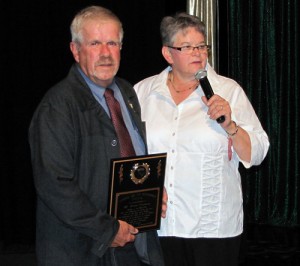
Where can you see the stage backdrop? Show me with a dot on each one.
(263, 56)
(35, 55)
(259, 43)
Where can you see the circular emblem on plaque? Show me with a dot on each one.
(139, 173)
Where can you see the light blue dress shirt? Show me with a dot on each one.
(98, 93)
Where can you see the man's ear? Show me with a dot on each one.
(75, 51)
(167, 54)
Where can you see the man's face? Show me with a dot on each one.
(99, 53)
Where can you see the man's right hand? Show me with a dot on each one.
(125, 234)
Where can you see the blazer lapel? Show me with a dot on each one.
(133, 106)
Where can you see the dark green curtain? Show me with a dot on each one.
(263, 56)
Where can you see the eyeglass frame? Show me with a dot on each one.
(200, 47)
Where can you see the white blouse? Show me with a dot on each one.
(203, 186)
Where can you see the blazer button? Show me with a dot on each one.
(114, 142)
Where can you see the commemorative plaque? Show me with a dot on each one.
(136, 190)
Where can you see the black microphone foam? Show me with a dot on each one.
(201, 75)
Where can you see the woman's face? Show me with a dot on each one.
(187, 63)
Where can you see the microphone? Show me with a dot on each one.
(201, 76)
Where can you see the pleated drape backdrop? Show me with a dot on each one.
(259, 47)
(263, 56)
(35, 55)
(207, 11)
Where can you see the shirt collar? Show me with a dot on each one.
(95, 88)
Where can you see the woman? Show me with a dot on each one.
(204, 220)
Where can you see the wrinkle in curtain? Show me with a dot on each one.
(263, 57)
(206, 10)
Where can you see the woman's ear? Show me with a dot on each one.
(167, 54)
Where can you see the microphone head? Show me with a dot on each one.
(200, 74)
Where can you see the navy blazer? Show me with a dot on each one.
(72, 141)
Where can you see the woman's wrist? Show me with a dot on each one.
(233, 129)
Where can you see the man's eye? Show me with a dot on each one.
(94, 43)
(112, 44)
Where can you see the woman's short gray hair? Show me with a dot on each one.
(91, 12)
(171, 25)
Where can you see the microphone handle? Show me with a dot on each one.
(209, 93)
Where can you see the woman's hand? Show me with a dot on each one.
(217, 106)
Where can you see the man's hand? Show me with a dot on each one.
(125, 234)
(164, 204)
